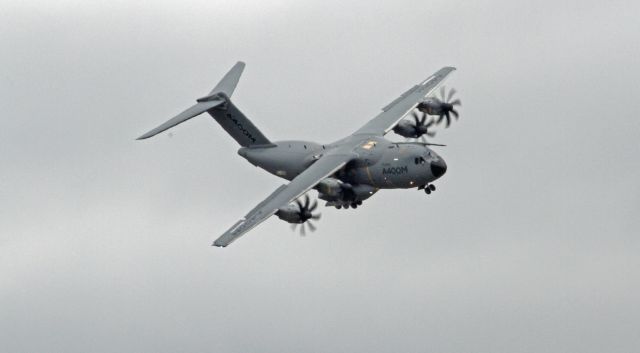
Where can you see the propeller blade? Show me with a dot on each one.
(424, 118)
(440, 118)
(424, 140)
(431, 134)
(455, 113)
(311, 227)
(314, 205)
(431, 122)
(456, 102)
(442, 89)
(302, 230)
(316, 216)
(293, 226)
(448, 118)
(415, 118)
(306, 201)
(451, 93)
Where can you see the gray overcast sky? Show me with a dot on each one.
(530, 243)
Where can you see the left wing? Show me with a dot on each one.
(325, 166)
(402, 105)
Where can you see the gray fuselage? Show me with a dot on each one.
(380, 163)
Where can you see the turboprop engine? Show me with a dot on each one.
(299, 213)
(416, 129)
(339, 193)
(442, 107)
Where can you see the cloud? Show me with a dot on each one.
(529, 243)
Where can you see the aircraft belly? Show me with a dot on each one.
(285, 165)
(287, 160)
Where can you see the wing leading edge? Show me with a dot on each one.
(401, 106)
(325, 166)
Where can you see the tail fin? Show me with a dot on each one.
(218, 104)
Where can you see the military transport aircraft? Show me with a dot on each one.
(345, 172)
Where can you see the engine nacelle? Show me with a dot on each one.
(331, 189)
(289, 213)
(431, 106)
(405, 129)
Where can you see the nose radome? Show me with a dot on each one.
(438, 168)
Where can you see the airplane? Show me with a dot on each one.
(345, 172)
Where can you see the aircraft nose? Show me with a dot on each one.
(438, 168)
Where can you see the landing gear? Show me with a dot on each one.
(428, 189)
(348, 205)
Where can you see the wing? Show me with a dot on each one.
(325, 166)
(396, 110)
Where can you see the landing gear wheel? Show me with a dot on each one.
(427, 190)
(432, 187)
(354, 205)
(359, 203)
(338, 207)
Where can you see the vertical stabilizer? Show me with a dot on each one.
(218, 104)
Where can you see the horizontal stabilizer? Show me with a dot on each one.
(193, 111)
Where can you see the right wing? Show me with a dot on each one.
(324, 167)
(401, 106)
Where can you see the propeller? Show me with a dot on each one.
(447, 106)
(305, 215)
(421, 126)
